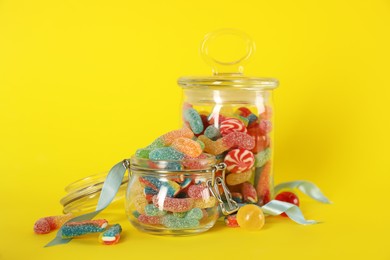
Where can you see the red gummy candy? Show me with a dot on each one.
(261, 141)
(287, 197)
(248, 192)
(244, 111)
(231, 221)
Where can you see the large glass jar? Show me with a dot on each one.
(232, 114)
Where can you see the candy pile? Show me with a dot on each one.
(241, 139)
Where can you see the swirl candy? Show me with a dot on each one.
(239, 160)
(75, 229)
(231, 125)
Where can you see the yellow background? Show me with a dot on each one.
(83, 84)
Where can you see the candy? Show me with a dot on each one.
(195, 213)
(151, 210)
(154, 186)
(214, 147)
(75, 229)
(239, 160)
(111, 236)
(205, 203)
(238, 139)
(173, 204)
(48, 224)
(243, 111)
(237, 197)
(265, 126)
(231, 125)
(140, 203)
(194, 119)
(250, 217)
(187, 146)
(264, 186)
(249, 193)
(158, 143)
(143, 153)
(289, 197)
(215, 119)
(169, 137)
(231, 221)
(166, 154)
(185, 183)
(173, 222)
(199, 162)
(262, 157)
(267, 113)
(212, 132)
(237, 178)
(150, 220)
(201, 144)
(198, 191)
(252, 118)
(261, 141)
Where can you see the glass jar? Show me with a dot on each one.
(164, 199)
(232, 114)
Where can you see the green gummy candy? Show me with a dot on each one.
(262, 157)
(143, 153)
(195, 213)
(151, 210)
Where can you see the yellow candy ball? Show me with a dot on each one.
(250, 217)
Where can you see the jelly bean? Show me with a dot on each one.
(165, 154)
(198, 191)
(194, 119)
(75, 229)
(143, 153)
(239, 160)
(212, 132)
(250, 217)
(187, 146)
(173, 222)
(173, 204)
(238, 139)
(111, 236)
(289, 197)
(214, 147)
(195, 213)
(262, 157)
(237, 197)
(249, 193)
(264, 186)
(237, 178)
(150, 220)
(169, 137)
(151, 210)
(243, 111)
(231, 221)
(48, 224)
(205, 203)
(231, 125)
(140, 203)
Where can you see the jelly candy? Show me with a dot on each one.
(196, 163)
(267, 113)
(249, 193)
(111, 236)
(214, 147)
(237, 197)
(289, 197)
(239, 160)
(215, 119)
(205, 203)
(195, 213)
(198, 191)
(153, 186)
(173, 222)
(237, 178)
(165, 154)
(151, 210)
(265, 126)
(231, 125)
(261, 141)
(238, 139)
(251, 119)
(187, 146)
(264, 186)
(173, 204)
(150, 220)
(243, 111)
(231, 221)
(212, 132)
(48, 224)
(201, 144)
(140, 203)
(75, 229)
(143, 153)
(262, 157)
(169, 137)
(250, 217)
(194, 119)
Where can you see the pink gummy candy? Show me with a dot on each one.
(48, 224)
(173, 204)
(151, 220)
(238, 139)
(198, 191)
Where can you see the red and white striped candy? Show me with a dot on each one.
(231, 125)
(239, 160)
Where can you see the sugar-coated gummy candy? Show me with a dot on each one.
(262, 157)
(200, 143)
(195, 213)
(151, 210)
(237, 197)
(264, 185)
(173, 204)
(143, 153)
(231, 221)
(267, 113)
(48, 224)
(261, 141)
(205, 203)
(193, 118)
(111, 236)
(243, 120)
(187, 146)
(212, 132)
(239, 140)
(140, 203)
(231, 125)
(214, 147)
(243, 111)
(265, 126)
(169, 137)
(289, 197)
(250, 217)
(166, 154)
(198, 191)
(153, 185)
(249, 193)
(173, 222)
(157, 143)
(135, 213)
(179, 214)
(79, 228)
(239, 160)
(237, 178)
(149, 220)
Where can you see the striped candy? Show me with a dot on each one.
(231, 125)
(239, 160)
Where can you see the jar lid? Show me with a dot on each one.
(227, 65)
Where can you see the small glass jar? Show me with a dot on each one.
(165, 198)
(232, 114)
